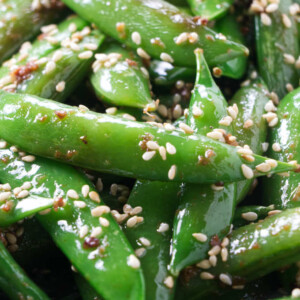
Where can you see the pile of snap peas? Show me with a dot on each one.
(149, 149)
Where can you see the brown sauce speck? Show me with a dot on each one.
(23, 72)
(215, 241)
(60, 114)
(91, 242)
(84, 139)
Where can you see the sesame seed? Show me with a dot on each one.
(152, 145)
(140, 252)
(226, 121)
(133, 261)
(45, 211)
(142, 53)
(172, 172)
(249, 216)
(274, 212)
(100, 210)
(183, 37)
(249, 123)
(94, 196)
(5, 187)
(224, 254)
(11, 238)
(148, 155)
(127, 208)
(297, 63)
(57, 56)
(263, 167)
(200, 237)
(111, 110)
(26, 185)
(17, 190)
(247, 171)
(28, 158)
(216, 187)
(85, 54)
(215, 135)
(245, 150)
(83, 108)
(225, 242)
(225, 279)
(193, 37)
(286, 21)
(60, 86)
(85, 190)
(96, 231)
(72, 27)
(295, 293)
(5, 196)
(45, 29)
(289, 59)
(276, 147)
(206, 276)
(131, 222)
(50, 66)
(14, 149)
(265, 19)
(204, 264)
(215, 250)
(162, 152)
(169, 127)
(213, 260)
(79, 204)
(233, 111)
(23, 194)
(136, 38)
(187, 129)
(136, 210)
(289, 87)
(145, 242)
(163, 227)
(104, 222)
(72, 194)
(272, 163)
(197, 112)
(129, 117)
(271, 8)
(3, 144)
(166, 57)
(169, 282)
(270, 107)
(170, 148)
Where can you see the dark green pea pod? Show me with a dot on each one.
(254, 251)
(210, 9)
(158, 201)
(20, 21)
(236, 67)
(88, 139)
(282, 191)
(158, 29)
(277, 48)
(203, 209)
(13, 280)
(86, 291)
(119, 78)
(98, 254)
(249, 127)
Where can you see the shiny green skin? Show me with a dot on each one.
(156, 19)
(201, 208)
(250, 101)
(122, 84)
(229, 26)
(254, 251)
(284, 191)
(52, 179)
(19, 23)
(92, 140)
(69, 68)
(13, 280)
(159, 201)
(210, 9)
(271, 43)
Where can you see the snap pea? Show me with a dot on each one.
(284, 192)
(13, 280)
(153, 27)
(210, 9)
(277, 48)
(21, 20)
(202, 208)
(158, 201)
(92, 140)
(100, 258)
(254, 250)
(119, 78)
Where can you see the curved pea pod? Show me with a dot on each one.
(203, 209)
(250, 128)
(91, 140)
(13, 280)
(211, 9)
(284, 191)
(119, 78)
(21, 20)
(96, 247)
(254, 251)
(236, 67)
(157, 29)
(277, 48)
(158, 202)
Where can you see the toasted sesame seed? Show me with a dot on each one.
(136, 38)
(3, 144)
(94, 196)
(213, 260)
(163, 227)
(23, 194)
(276, 147)
(103, 222)
(249, 216)
(215, 135)
(166, 57)
(72, 194)
(226, 121)
(96, 231)
(133, 261)
(142, 53)
(170, 148)
(215, 250)
(225, 242)
(286, 21)
(28, 158)
(5, 196)
(145, 242)
(206, 276)
(187, 129)
(249, 123)
(172, 172)
(272, 163)
(169, 282)
(79, 204)
(162, 152)
(50, 67)
(148, 155)
(274, 212)
(200, 237)
(60, 86)
(152, 145)
(295, 293)
(196, 111)
(247, 171)
(225, 279)
(139, 252)
(289, 87)
(224, 254)
(85, 54)
(204, 264)
(131, 222)
(265, 19)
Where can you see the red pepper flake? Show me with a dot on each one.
(255, 246)
(58, 203)
(187, 274)
(215, 241)
(23, 72)
(60, 114)
(91, 242)
(84, 139)
(71, 153)
(200, 21)
(7, 206)
(131, 63)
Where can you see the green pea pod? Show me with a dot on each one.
(159, 201)
(21, 20)
(86, 291)
(52, 70)
(121, 80)
(236, 67)
(88, 139)
(284, 191)
(157, 29)
(98, 254)
(210, 9)
(202, 208)
(254, 251)
(277, 48)
(249, 127)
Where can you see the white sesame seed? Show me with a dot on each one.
(296, 293)
(276, 147)
(172, 172)
(226, 121)
(57, 55)
(90, 46)
(111, 110)
(169, 282)
(3, 144)
(139, 252)
(215, 135)
(14, 149)
(271, 8)
(215, 250)
(249, 123)
(163, 227)
(133, 261)
(72, 194)
(131, 222)
(166, 57)
(217, 188)
(129, 117)
(28, 158)
(148, 155)
(17, 190)
(83, 108)
(233, 111)
(286, 21)
(142, 53)
(85, 190)
(152, 145)
(247, 171)
(224, 254)
(162, 152)
(294, 9)
(225, 279)
(136, 210)
(72, 27)
(100, 210)
(170, 148)
(272, 163)
(270, 107)
(145, 242)
(225, 242)
(200, 237)
(136, 38)
(94, 196)
(26, 185)
(193, 37)
(79, 204)
(265, 19)
(104, 222)
(249, 216)
(183, 37)
(204, 264)
(263, 167)
(96, 231)
(85, 54)
(206, 276)
(60, 86)
(23, 194)
(187, 129)
(274, 212)
(5, 196)
(50, 66)
(197, 112)
(213, 260)
(47, 28)
(5, 187)
(45, 211)
(289, 59)
(245, 150)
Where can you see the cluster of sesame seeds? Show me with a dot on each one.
(130, 214)
(217, 134)
(190, 37)
(245, 153)
(9, 236)
(271, 118)
(266, 166)
(37, 5)
(105, 60)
